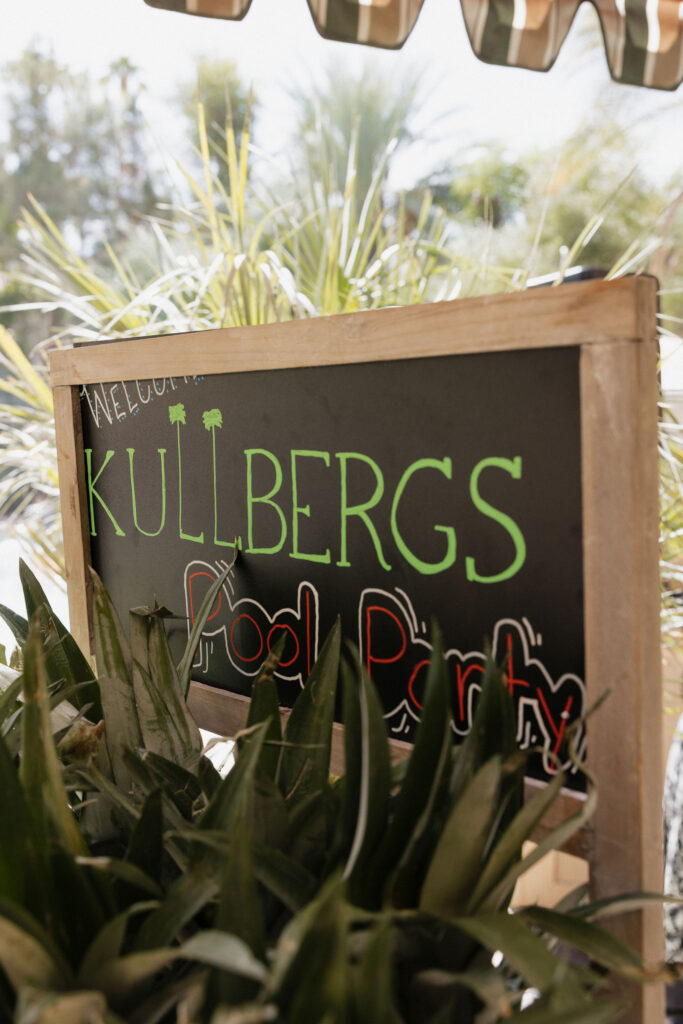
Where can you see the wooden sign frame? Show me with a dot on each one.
(614, 325)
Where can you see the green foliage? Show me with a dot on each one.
(137, 884)
(217, 86)
(486, 188)
(238, 247)
(357, 113)
(76, 144)
(583, 202)
(239, 253)
(29, 487)
(231, 256)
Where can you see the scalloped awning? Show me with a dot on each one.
(643, 38)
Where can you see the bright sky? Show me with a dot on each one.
(276, 45)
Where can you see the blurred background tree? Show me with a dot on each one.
(81, 147)
(223, 94)
(77, 145)
(358, 112)
(119, 247)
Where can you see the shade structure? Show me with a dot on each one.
(643, 38)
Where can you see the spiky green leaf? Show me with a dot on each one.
(423, 781)
(17, 624)
(508, 849)
(64, 658)
(40, 771)
(265, 706)
(166, 724)
(26, 961)
(185, 664)
(373, 796)
(38, 1007)
(108, 942)
(123, 871)
(304, 762)
(595, 942)
(285, 877)
(524, 951)
(451, 876)
(115, 670)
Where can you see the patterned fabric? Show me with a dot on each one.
(673, 849)
(231, 9)
(386, 23)
(519, 33)
(643, 38)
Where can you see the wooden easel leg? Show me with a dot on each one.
(622, 630)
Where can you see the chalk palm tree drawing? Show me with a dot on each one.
(176, 414)
(213, 418)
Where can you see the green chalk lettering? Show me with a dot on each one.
(213, 420)
(514, 468)
(444, 466)
(361, 510)
(93, 493)
(176, 414)
(155, 533)
(265, 499)
(304, 510)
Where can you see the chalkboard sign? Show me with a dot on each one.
(444, 486)
(491, 463)
(390, 493)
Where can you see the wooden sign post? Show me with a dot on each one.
(489, 462)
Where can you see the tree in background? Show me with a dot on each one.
(225, 98)
(77, 145)
(130, 185)
(583, 202)
(357, 113)
(488, 188)
(227, 103)
(335, 237)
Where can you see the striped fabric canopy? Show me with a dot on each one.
(643, 38)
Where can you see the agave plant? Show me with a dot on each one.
(137, 884)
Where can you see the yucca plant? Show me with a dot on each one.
(220, 257)
(242, 254)
(137, 884)
(234, 250)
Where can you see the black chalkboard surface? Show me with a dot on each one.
(490, 461)
(388, 492)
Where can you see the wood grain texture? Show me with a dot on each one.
(69, 434)
(587, 313)
(619, 437)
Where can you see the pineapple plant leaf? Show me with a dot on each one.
(277, 889)
(304, 762)
(374, 787)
